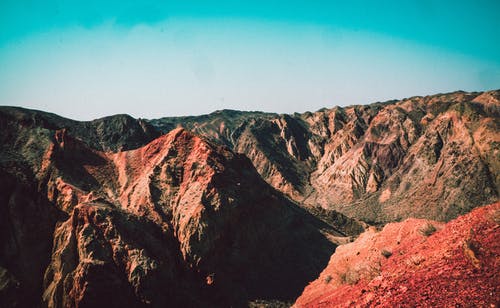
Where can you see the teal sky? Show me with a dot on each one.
(87, 59)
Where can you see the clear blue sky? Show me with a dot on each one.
(87, 59)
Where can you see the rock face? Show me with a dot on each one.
(415, 263)
(179, 222)
(378, 163)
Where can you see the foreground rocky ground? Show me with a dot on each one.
(245, 208)
(415, 263)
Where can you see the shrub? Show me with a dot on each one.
(386, 253)
(328, 279)
(415, 260)
(349, 277)
(427, 230)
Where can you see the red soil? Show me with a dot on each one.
(457, 266)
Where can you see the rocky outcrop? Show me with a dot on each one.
(102, 251)
(27, 219)
(26, 224)
(415, 263)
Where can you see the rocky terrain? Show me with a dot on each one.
(231, 208)
(379, 163)
(178, 221)
(415, 263)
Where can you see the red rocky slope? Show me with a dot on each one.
(176, 222)
(405, 265)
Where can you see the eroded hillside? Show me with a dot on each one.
(429, 157)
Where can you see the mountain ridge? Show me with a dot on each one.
(309, 155)
(298, 153)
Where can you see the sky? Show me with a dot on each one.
(150, 59)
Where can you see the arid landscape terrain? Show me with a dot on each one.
(386, 204)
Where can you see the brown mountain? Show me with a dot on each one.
(234, 209)
(380, 162)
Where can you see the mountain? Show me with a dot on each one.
(414, 263)
(114, 133)
(228, 209)
(179, 221)
(378, 163)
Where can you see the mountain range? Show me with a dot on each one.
(238, 209)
